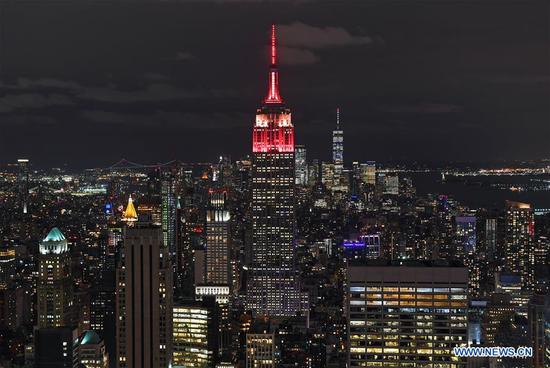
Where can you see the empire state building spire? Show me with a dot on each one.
(273, 95)
(272, 288)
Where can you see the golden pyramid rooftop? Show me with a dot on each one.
(130, 213)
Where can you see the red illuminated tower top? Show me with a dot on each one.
(273, 95)
(273, 129)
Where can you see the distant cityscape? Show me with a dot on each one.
(276, 259)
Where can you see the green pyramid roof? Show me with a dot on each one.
(54, 235)
(90, 337)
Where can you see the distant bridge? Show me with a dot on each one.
(130, 165)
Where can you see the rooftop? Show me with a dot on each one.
(54, 235)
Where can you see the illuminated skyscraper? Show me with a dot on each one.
(7, 265)
(409, 315)
(144, 300)
(217, 239)
(301, 165)
(466, 249)
(368, 173)
(130, 215)
(519, 241)
(54, 289)
(537, 333)
(218, 259)
(8, 289)
(23, 183)
(260, 350)
(195, 335)
(272, 288)
(338, 147)
(168, 213)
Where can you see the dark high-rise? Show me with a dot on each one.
(272, 286)
(144, 300)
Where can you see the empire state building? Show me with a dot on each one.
(272, 289)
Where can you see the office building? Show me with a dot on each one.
(23, 184)
(519, 242)
(91, 351)
(368, 173)
(301, 165)
(56, 347)
(168, 213)
(338, 148)
(466, 250)
(218, 266)
(55, 286)
(144, 300)
(406, 315)
(195, 335)
(272, 287)
(537, 331)
(498, 314)
(260, 350)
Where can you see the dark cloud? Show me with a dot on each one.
(299, 42)
(425, 108)
(302, 35)
(184, 56)
(521, 79)
(13, 102)
(194, 122)
(152, 92)
(296, 56)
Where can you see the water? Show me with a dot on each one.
(481, 196)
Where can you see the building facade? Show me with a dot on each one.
(144, 298)
(55, 288)
(338, 147)
(272, 288)
(519, 242)
(406, 315)
(218, 266)
(195, 336)
(260, 350)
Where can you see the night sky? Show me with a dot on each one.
(86, 83)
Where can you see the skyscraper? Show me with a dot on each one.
(338, 147)
(8, 288)
(54, 289)
(168, 212)
(301, 165)
(260, 350)
(272, 288)
(519, 241)
(56, 347)
(23, 183)
(129, 216)
(144, 300)
(466, 249)
(217, 239)
(410, 315)
(536, 331)
(91, 351)
(368, 173)
(195, 335)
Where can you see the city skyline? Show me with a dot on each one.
(401, 81)
(309, 244)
